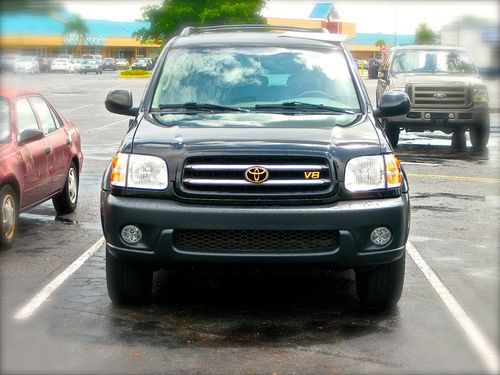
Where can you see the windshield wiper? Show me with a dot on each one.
(203, 107)
(301, 105)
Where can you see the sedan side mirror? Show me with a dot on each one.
(30, 135)
(393, 103)
(120, 102)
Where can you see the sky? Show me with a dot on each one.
(401, 17)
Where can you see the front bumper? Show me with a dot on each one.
(440, 118)
(158, 219)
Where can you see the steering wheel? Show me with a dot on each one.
(320, 93)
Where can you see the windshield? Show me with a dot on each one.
(4, 120)
(256, 76)
(433, 61)
(140, 60)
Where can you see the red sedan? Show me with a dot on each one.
(40, 158)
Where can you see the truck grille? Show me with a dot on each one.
(287, 177)
(431, 96)
(251, 241)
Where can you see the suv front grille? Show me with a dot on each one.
(431, 96)
(288, 177)
(251, 241)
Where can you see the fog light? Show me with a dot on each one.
(427, 115)
(381, 236)
(451, 116)
(131, 234)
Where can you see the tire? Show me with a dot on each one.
(66, 202)
(128, 284)
(480, 135)
(9, 213)
(392, 133)
(380, 287)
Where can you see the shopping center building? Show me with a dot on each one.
(43, 35)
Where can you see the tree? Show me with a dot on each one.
(30, 6)
(380, 43)
(77, 26)
(172, 15)
(424, 34)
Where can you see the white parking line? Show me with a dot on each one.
(45, 293)
(483, 347)
(74, 109)
(105, 126)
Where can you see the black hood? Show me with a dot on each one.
(263, 130)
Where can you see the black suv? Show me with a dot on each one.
(255, 145)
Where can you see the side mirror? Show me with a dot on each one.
(120, 102)
(30, 135)
(393, 103)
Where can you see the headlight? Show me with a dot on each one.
(376, 172)
(480, 95)
(139, 171)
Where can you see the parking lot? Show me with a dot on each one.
(446, 320)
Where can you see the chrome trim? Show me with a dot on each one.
(242, 167)
(226, 182)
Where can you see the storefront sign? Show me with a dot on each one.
(73, 40)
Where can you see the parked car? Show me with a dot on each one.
(121, 63)
(445, 89)
(40, 158)
(77, 65)
(108, 64)
(91, 66)
(7, 62)
(255, 147)
(43, 64)
(62, 65)
(143, 63)
(26, 64)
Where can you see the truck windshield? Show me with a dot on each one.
(250, 77)
(4, 121)
(432, 62)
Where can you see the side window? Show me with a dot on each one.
(56, 118)
(25, 118)
(44, 114)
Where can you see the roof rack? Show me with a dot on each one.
(239, 28)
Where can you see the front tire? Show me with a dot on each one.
(128, 284)
(380, 287)
(392, 132)
(9, 212)
(480, 135)
(65, 203)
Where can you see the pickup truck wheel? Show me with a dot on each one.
(380, 287)
(8, 215)
(66, 202)
(392, 132)
(128, 284)
(480, 135)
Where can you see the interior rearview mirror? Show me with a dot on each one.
(393, 103)
(120, 102)
(30, 135)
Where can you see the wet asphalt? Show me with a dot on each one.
(224, 322)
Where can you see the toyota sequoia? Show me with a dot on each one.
(255, 145)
